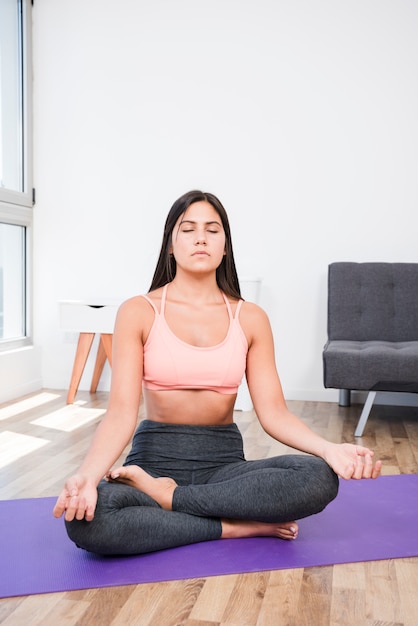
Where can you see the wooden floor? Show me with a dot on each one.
(382, 593)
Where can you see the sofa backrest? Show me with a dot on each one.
(373, 301)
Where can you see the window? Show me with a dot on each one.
(15, 171)
(12, 281)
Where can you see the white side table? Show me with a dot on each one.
(89, 317)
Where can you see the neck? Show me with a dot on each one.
(200, 289)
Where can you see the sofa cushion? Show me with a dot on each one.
(371, 365)
(373, 301)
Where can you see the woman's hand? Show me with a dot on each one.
(77, 500)
(352, 461)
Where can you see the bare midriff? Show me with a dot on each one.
(199, 407)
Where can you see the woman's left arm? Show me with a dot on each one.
(347, 460)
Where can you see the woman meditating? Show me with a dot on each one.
(186, 346)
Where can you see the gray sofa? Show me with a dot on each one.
(372, 330)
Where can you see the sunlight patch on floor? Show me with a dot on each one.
(68, 418)
(25, 405)
(14, 446)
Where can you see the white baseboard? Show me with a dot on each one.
(20, 372)
(357, 397)
(12, 393)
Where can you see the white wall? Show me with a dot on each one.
(301, 115)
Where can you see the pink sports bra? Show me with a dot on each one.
(170, 363)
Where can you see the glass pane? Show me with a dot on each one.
(12, 282)
(11, 146)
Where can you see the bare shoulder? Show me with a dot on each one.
(134, 305)
(252, 312)
(254, 320)
(135, 314)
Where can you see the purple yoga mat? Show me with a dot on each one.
(369, 520)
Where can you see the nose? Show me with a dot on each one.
(201, 238)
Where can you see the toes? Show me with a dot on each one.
(288, 532)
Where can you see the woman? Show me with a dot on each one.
(186, 345)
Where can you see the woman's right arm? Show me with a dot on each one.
(79, 496)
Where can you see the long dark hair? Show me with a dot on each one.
(226, 273)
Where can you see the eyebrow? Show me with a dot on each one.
(206, 223)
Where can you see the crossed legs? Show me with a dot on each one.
(162, 491)
(137, 513)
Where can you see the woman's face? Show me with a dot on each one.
(198, 239)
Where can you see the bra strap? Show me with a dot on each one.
(151, 303)
(228, 306)
(163, 299)
(238, 309)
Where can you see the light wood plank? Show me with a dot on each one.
(407, 577)
(382, 600)
(213, 598)
(281, 600)
(246, 599)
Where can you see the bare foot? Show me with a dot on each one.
(160, 489)
(233, 529)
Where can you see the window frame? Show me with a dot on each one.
(16, 207)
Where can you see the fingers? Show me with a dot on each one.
(362, 451)
(71, 508)
(78, 508)
(359, 464)
(65, 504)
(60, 505)
(89, 512)
(364, 467)
(358, 469)
(74, 505)
(348, 471)
(376, 469)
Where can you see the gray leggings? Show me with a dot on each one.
(214, 482)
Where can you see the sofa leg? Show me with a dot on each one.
(365, 414)
(345, 397)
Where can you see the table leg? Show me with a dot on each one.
(98, 367)
(104, 351)
(83, 349)
(106, 340)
